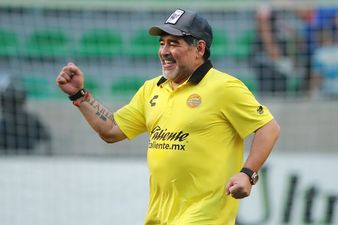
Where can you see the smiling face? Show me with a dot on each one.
(179, 59)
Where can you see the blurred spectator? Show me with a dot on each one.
(324, 79)
(271, 56)
(315, 20)
(19, 129)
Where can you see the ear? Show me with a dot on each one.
(201, 45)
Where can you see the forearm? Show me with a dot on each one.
(265, 31)
(100, 118)
(239, 185)
(71, 81)
(262, 144)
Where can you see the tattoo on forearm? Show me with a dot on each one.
(101, 112)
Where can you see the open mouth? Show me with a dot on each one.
(168, 63)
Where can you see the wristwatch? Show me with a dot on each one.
(253, 176)
(81, 93)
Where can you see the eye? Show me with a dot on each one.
(173, 43)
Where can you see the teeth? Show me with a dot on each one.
(168, 62)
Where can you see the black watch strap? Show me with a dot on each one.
(253, 176)
(81, 93)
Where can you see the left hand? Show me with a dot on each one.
(239, 186)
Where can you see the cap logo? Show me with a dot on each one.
(175, 16)
(194, 100)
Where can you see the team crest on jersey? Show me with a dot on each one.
(175, 16)
(194, 100)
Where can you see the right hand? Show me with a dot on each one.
(70, 80)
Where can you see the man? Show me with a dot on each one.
(20, 130)
(196, 117)
(272, 61)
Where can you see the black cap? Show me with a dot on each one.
(184, 23)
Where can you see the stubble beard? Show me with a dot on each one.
(179, 73)
(170, 75)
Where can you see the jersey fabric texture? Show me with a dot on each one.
(195, 145)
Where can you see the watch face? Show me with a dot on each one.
(254, 178)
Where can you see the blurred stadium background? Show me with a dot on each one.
(55, 170)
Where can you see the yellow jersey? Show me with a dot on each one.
(195, 145)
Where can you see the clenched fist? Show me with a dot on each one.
(239, 186)
(70, 80)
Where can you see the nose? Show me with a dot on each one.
(164, 50)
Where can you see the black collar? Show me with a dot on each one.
(197, 76)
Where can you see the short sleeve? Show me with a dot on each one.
(130, 118)
(242, 109)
